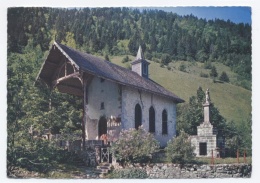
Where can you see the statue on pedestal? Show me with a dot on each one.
(207, 96)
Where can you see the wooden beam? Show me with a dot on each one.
(60, 66)
(57, 81)
(71, 86)
(70, 90)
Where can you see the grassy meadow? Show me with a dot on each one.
(233, 102)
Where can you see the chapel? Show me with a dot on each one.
(115, 98)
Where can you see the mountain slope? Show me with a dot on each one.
(233, 102)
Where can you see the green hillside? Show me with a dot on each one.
(233, 102)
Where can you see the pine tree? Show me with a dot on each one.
(107, 58)
(166, 59)
(224, 77)
(213, 72)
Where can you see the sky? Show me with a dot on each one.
(241, 14)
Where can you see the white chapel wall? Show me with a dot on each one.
(137, 68)
(98, 92)
(131, 96)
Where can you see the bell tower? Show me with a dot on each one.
(140, 65)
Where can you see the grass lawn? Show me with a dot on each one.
(224, 160)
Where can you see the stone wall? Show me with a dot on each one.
(106, 92)
(205, 135)
(132, 96)
(174, 171)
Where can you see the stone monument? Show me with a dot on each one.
(205, 141)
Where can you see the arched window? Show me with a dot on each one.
(164, 122)
(138, 116)
(151, 120)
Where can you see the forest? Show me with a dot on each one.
(106, 32)
(119, 31)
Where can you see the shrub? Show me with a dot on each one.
(204, 75)
(40, 155)
(138, 146)
(125, 59)
(129, 173)
(182, 67)
(180, 150)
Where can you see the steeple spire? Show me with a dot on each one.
(140, 55)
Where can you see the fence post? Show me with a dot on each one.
(244, 156)
(238, 156)
(212, 157)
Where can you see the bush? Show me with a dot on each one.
(180, 150)
(125, 59)
(138, 146)
(40, 155)
(204, 75)
(182, 67)
(129, 173)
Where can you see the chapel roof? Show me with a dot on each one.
(102, 68)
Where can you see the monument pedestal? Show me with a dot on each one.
(205, 141)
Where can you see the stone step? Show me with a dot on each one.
(105, 164)
(103, 171)
(104, 168)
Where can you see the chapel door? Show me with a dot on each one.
(203, 148)
(102, 127)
